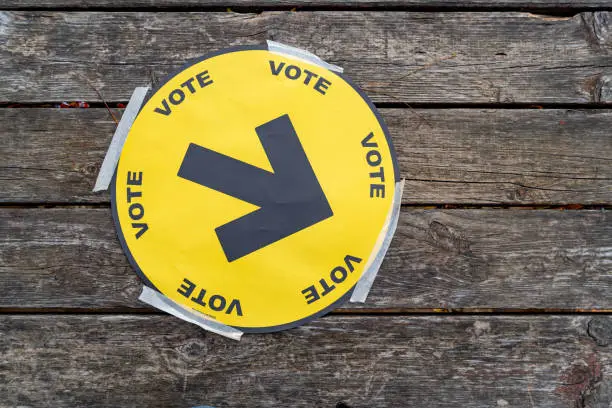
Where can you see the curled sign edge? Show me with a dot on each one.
(107, 169)
(298, 53)
(162, 302)
(364, 284)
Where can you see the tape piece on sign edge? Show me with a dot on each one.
(364, 284)
(164, 303)
(298, 53)
(105, 175)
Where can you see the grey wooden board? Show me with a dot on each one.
(453, 361)
(451, 4)
(469, 156)
(499, 259)
(395, 56)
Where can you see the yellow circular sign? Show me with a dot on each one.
(253, 187)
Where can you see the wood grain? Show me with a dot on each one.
(395, 56)
(462, 156)
(160, 361)
(498, 259)
(67, 258)
(343, 4)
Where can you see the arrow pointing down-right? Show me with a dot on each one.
(290, 198)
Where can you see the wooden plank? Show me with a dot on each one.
(276, 4)
(395, 56)
(455, 361)
(458, 156)
(499, 259)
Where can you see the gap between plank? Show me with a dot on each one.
(416, 206)
(547, 10)
(379, 105)
(338, 312)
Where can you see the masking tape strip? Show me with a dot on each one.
(363, 286)
(161, 302)
(278, 48)
(114, 150)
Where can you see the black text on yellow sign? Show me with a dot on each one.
(253, 188)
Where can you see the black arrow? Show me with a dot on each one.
(290, 199)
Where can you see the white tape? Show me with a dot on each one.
(161, 302)
(363, 286)
(298, 53)
(114, 150)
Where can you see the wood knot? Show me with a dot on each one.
(602, 91)
(87, 169)
(520, 194)
(600, 330)
(598, 26)
(445, 237)
(193, 349)
(479, 329)
(580, 379)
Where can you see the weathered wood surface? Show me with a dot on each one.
(453, 361)
(67, 258)
(500, 259)
(447, 156)
(395, 56)
(343, 4)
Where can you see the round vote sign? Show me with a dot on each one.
(253, 187)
